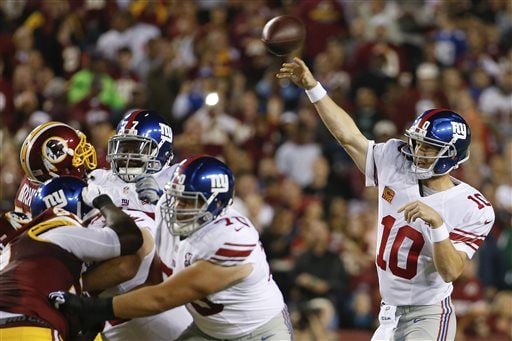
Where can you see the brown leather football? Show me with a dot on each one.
(284, 34)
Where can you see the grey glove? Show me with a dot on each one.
(147, 189)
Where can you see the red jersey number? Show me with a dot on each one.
(404, 232)
(479, 200)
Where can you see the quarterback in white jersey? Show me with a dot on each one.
(430, 224)
(219, 268)
(141, 146)
(407, 274)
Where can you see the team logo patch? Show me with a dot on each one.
(55, 149)
(125, 202)
(388, 194)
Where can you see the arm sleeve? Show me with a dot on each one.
(382, 157)
(86, 244)
(371, 168)
(231, 247)
(470, 237)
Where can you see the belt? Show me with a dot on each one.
(23, 320)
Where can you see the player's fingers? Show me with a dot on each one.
(289, 65)
(412, 212)
(300, 62)
(406, 214)
(415, 216)
(420, 212)
(285, 70)
(405, 207)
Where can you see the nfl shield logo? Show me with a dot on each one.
(188, 258)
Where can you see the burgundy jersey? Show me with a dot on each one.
(29, 275)
(11, 225)
(24, 196)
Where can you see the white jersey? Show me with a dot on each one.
(405, 265)
(164, 326)
(229, 240)
(123, 193)
(144, 222)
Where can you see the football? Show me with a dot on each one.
(284, 34)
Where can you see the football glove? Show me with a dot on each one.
(147, 189)
(90, 311)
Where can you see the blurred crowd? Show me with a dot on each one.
(201, 64)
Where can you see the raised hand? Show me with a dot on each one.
(298, 72)
(147, 189)
(90, 193)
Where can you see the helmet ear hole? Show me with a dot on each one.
(207, 217)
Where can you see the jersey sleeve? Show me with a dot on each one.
(381, 156)
(89, 245)
(23, 198)
(471, 236)
(98, 177)
(231, 245)
(143, 220)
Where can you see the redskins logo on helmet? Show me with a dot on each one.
(53, 149)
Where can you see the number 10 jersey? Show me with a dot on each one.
(404, 254)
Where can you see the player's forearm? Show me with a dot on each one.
(194, 283)
(111, 273)
(344, 129)
(149, 300)
(337, 120)
(448, 261)
(130, 236)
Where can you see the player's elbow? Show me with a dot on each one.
(128, 268)
(450, 275)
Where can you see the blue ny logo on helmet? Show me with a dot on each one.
(200, 190)
(448, 132)
(64, 192)
(142, 145)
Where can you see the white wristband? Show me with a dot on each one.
(439, 234)
(316, 93)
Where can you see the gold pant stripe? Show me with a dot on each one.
(28, 333)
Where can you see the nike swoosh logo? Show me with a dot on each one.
(417, 320)
(263, 338)
(487, 222)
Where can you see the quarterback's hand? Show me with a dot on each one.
(89, 311)
(298, 72)
(147, 189)
(418, 209)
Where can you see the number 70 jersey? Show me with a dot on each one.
(404, 254)
(229, 240)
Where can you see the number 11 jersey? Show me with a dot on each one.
(404, 253)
